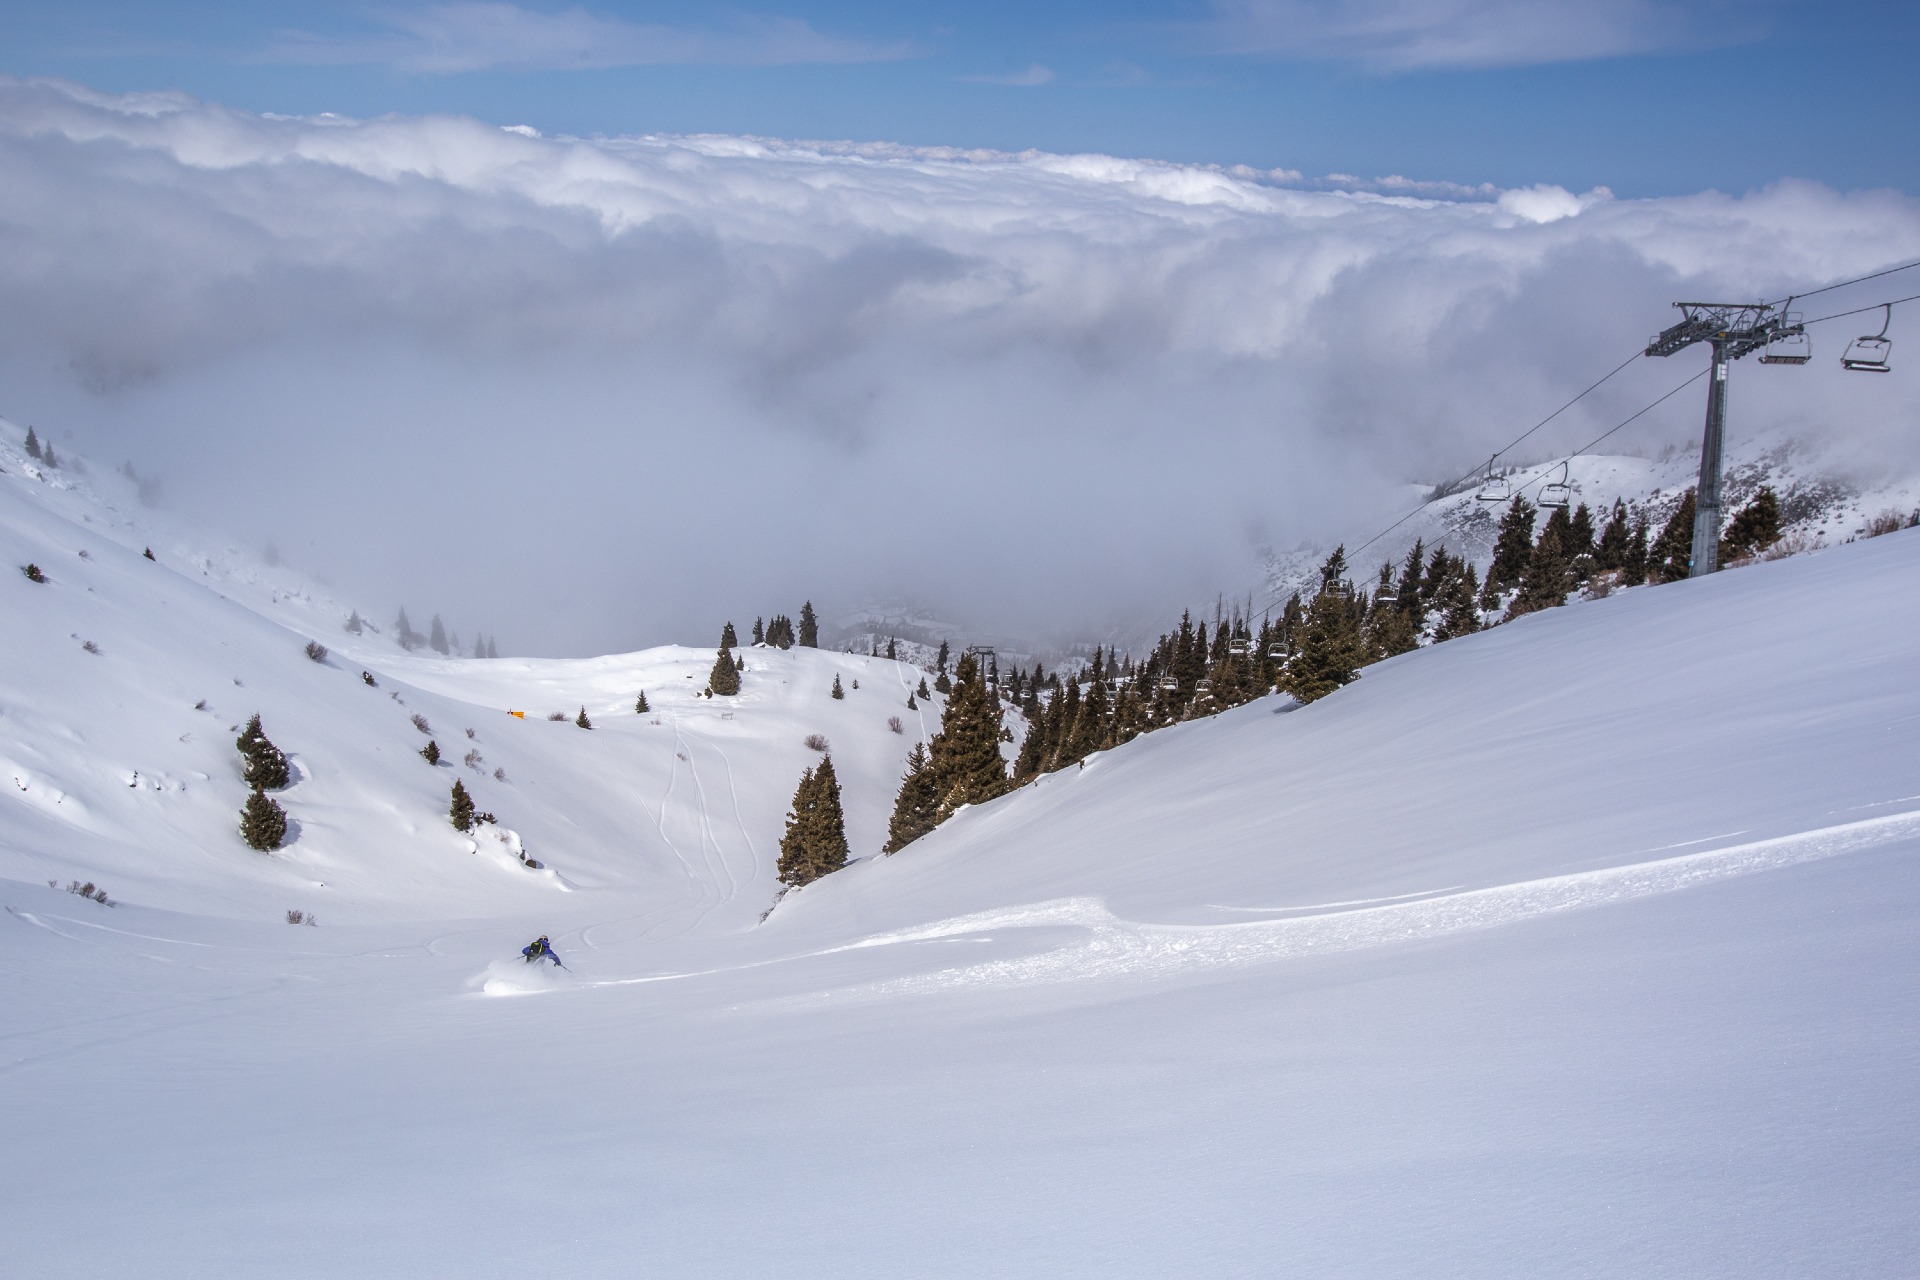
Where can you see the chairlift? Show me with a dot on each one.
(1239, 648)
(1169, 685)
(1203, 686)
(1868, 354)
(1559, 494)
(1277, 651)
(1495, 488)
(1789, 343)
(1339, 589)
(1385, 595)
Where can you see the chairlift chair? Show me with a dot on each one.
(1169, 685)
(1203, 686)
(1495, 488)
(1385, 595)
(1789, 343)
(1868, 353)
(1239, 648)
(1559, 494)
(1277, 651)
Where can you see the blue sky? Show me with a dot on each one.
(1647, 97)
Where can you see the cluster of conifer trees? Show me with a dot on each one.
(438, 638)
(780, 632)
(41, 452)
(1312, 648)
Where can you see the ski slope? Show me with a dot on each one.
(1583, 946)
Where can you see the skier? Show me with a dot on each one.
(540, 949)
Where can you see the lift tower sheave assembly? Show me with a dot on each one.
(1732, 329)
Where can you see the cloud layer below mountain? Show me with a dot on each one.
(600, 393)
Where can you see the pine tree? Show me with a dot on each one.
(809, 627)
(640, 706)
(479, 646)
(431, 752)
(724, 680)
(460, 812)
(1548, 577)
(1754, 528)
(727, 639)
(493, 650)
(1513, 547)
(1578, 540)
(48, 457)
(582, 720)
(1671, 557)
(759, 632)
(436, 635)
(33, 444)
(923, 691)
(838, 692)
(408, 638)
(892, 656)
(966, 752)
(815, 841)
(263, 823)
(916, 808)
(1330, 647)
(1459, 600)
(264, 765)
(912, 705)
(354, 623)
(1633, 562)
(1610, 552)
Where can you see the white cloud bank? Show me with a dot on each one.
(613, 391)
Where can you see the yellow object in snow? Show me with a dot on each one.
(518, 715)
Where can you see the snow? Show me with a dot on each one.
(1582, 946)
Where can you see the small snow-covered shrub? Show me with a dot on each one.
(472, 734)
(90, 647)
(560, 715)
(474, 759)
(500, 775)
(893, 723)
(817, 741)
(90, 891)
(1601, 585)
(316, 651)
(420, 723)
(302, 917)
(33, 573)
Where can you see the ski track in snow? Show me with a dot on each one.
(1116, 948)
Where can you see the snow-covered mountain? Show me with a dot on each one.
(1583, 945)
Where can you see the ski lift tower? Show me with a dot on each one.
(1732, 329)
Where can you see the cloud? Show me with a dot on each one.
(593, 394)
(483, 35)
(1031, 77)
(1398, 35)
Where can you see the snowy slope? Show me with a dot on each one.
(1582, 946)
(121, 768)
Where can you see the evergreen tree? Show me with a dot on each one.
(33, 444)
(1513, 547)
(759, 632)
(815, 841)
(48, 458)
(1032, 758)
(431, 752)
(404, 634)
(1459, 600)
(1578, 539)
(923, 691)
(724, 680)
(838, 692)
(264, 765)
(892, 656)
(966, 752)
(1610, 552)
(437, 635)
(1633, 561)
(354, 623)
(809, 627)
(1548, 577)
(1331, 650)
(1754, 528)
(916, 808)
(911, 704)
(582, 720)
(727, 639)
(263, 823)
(1671, 556)
(640, 707)
(460, 812)
(493, 650)
(479, 646)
